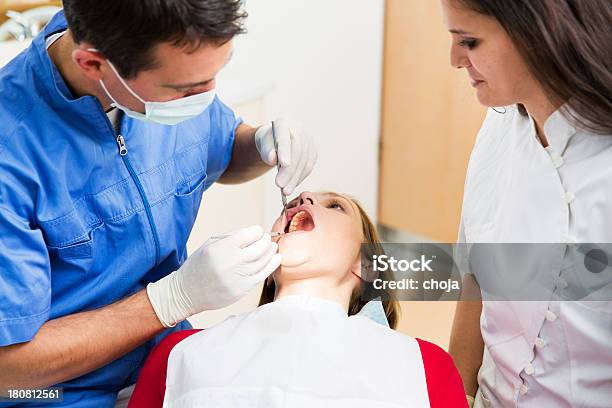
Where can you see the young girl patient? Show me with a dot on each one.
(306, 345)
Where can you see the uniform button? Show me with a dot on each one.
(550, 316)
(555, 157)
(569, 197)
(523, 390)
(570, 240)
(560, 283)
(529, 370)
(540, 343)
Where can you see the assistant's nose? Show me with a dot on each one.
(458, 57)
(306, 198)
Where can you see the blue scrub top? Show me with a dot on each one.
(82, 226)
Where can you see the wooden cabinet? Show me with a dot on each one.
(430, 118)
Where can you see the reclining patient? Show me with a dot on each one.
(306, 345)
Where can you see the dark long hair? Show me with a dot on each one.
(567, 45)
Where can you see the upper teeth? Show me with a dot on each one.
(295, 221)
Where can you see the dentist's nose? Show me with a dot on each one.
(306, 198)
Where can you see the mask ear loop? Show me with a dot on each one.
(130, 90)
(125, 85)
(501, 113)
(114, 104)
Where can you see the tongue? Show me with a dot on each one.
(306, 224)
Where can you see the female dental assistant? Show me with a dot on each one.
(111, 132)
(541, 172)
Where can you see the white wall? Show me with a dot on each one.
(323, 59)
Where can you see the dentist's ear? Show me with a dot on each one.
(89, 61)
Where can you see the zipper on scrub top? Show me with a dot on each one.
(122, 146)
(123, 151)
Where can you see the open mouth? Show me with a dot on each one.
(299, 219)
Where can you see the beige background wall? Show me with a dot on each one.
(430, 118)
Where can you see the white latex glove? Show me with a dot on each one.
(297, 153)
(218, 274)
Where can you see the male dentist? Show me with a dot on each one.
(110, 133)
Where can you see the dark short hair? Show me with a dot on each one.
(127, 31)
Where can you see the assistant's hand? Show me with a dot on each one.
(297, 153)
(218, 274)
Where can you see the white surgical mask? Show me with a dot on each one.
(165, 113)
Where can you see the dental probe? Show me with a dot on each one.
(272, 234)
(278, 167)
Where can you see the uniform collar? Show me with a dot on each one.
(559, 130)
(312, 303)
(51, 85)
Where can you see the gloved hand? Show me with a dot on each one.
(297, 153)
(218, 274)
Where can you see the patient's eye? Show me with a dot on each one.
(335, 204)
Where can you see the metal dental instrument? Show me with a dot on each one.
(283, 196)
(278, 166)
(272, 234)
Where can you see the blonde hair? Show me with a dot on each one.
(365, 291)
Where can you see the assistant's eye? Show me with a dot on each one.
(469, 43)
(335, 205)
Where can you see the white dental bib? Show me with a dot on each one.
(298, 351)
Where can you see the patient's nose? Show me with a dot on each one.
(306, 198)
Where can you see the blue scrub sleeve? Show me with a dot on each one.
(221, 141)
(25, 279)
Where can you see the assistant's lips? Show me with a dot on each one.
(476, 82)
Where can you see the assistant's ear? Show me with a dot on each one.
(90, 62)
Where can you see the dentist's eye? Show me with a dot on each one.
(469, 43)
